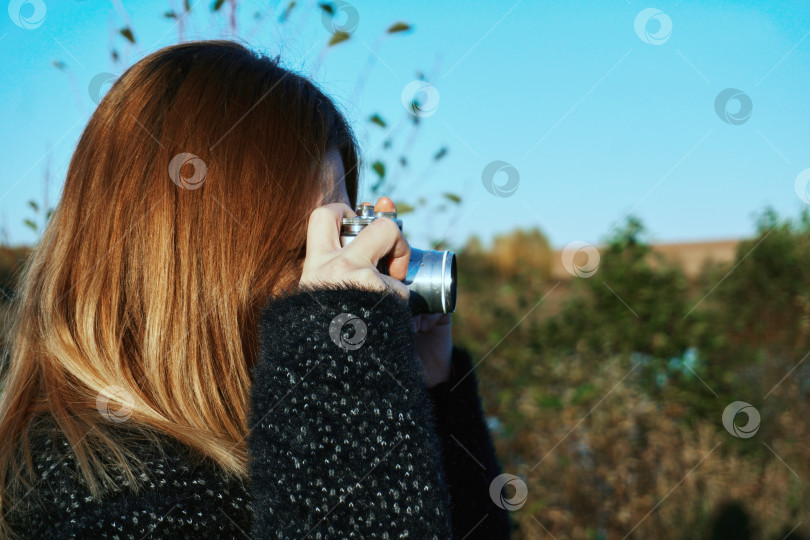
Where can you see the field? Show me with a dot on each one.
(605, 394)
(691, 257)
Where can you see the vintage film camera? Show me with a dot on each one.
(431, 277)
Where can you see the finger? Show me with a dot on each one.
(396, 286)
(416, 322)
(444, 319)
(323, 229)
(385, 204)
(379, 238)
(426, 322)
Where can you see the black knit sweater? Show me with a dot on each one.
(346, 441)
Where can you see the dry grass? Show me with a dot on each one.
(612, 451)
(619, 463)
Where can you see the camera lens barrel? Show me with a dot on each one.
(431, 275)
(431, 279)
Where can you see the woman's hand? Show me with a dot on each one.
(328, 263)
(434, 345)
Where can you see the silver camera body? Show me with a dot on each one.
(431, 276)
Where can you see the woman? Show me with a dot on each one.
(172, 368)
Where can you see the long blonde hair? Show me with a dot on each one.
(183, 211)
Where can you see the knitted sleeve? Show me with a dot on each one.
(342, 436)
(469, 459)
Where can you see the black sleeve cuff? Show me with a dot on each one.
(468, 454)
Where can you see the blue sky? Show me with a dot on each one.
(596, 121)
